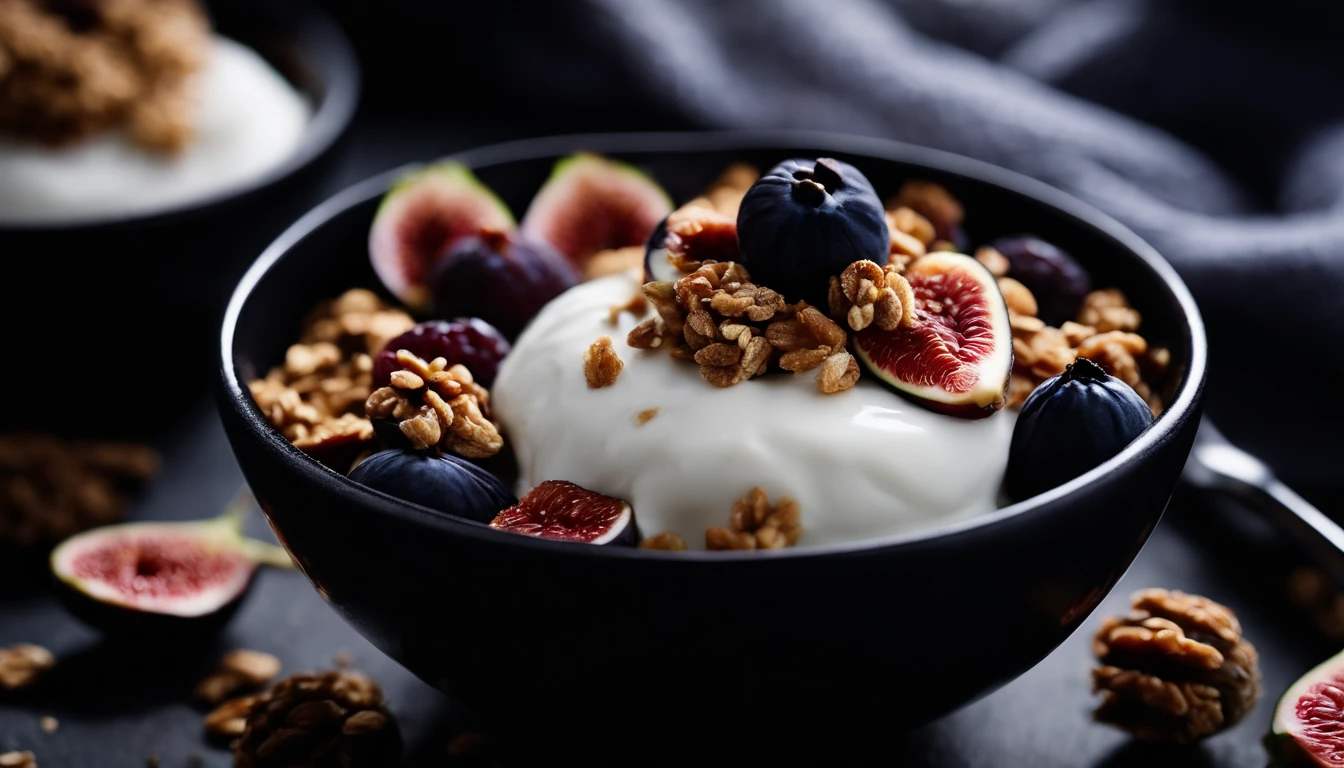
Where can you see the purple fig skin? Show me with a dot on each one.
(469, 341)
(1054, 278)
(502, 278)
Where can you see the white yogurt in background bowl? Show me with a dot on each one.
(130, 255)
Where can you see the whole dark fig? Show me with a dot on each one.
(1070, 424)
(1057, 281)
(504, 278)
(804, 221)
(448, 484)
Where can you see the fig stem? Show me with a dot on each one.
(809, 191)
(260, 552)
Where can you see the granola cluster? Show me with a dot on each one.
(1175, 669)
(72, 68)
(755, 523)
(437, 406)
(51, 489)
(735, 330)
(316, 398)
(1104, 332)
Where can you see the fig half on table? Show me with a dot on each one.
(160, 579)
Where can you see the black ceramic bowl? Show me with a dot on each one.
(826, 647)
(122, 295)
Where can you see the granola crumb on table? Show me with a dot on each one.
(22, 665)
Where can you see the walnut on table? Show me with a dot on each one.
(336, 719)
(1176, 668)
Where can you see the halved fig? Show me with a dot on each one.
(957, 356)
(160, 579)
(1308, 726)
(423, 215)
(561, 510)
(592, 203)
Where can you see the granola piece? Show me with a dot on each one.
(1109, 310)
(666, 540)
(645, 416)
(904, 247)
(649, 334)
(1020, 388)
(754, 523)
(23, 665)
(1177, 668)
(17, 759)
(662, 295)
(1116, 352)
(909, 222)
(838, 373)
(1017, 296)
(308, 718)
(49, 725)
(635, 306)
(997, 264)
(933, 202)
(613, 261)
(1050, 353)
(236, 671)
(1077, 333)
(229, 719)
(727, 191)
(601, 364)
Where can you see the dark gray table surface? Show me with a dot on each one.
(117, 708)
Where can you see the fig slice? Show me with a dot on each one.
(561, 510)
(957, 356)
(423, 215)
(1308, 726)
(160, 579)
(591, 203)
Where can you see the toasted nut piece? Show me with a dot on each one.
(647, 335)
(803, 359)
(644, 416)
(1018, 297)
(911, 223)
(22, 665)
(666, 540)
(997, 264)
(838, 373)
(601, 364)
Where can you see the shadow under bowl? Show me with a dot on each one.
(126, 297)
(807, 652)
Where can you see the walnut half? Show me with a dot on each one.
(1175, 669)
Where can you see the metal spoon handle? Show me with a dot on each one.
(1218, 465)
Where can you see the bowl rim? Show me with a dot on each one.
(1182, 408)
(317, 32)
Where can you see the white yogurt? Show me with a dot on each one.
(250, 120)
(862, 463)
